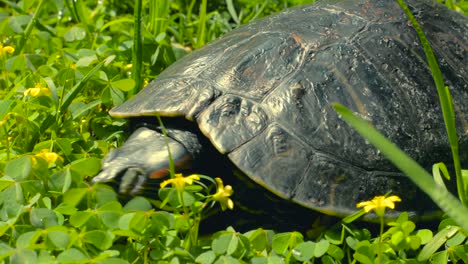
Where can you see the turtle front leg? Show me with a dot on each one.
(142, 159)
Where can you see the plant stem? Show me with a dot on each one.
(137, 48)
(379, 253)
(28, 30)
(7, 146)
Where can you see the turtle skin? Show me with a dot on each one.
(262, 95)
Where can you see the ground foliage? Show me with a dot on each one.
(63, 65)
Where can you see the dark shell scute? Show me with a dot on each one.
(231, 121)
(257, 63)
(273, 158)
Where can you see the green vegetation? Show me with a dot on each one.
(63, 65)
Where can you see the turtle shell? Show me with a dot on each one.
(263, 95)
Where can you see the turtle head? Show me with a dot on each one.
(143, 160)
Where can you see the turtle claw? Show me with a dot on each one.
(133, 181)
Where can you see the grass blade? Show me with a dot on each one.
(232, 11)
(158, 13)
(77, 88)
(443, 198)
(445, 102)
(201, 31)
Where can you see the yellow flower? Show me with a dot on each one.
(37, 90)
(379, 203)
(6, 49)
(50, 157)
(180, 181)
(222, 195)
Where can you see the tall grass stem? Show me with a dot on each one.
(137, 58)
(201, 31)
(29, 28)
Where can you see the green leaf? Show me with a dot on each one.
(227, 260)
(362, 258)
(59, 239)
(439, 239)
(408, 227)
(5, 183)
(124, 84)
(328, 260)
(397, 238)
(137, 204)
(45, 257)
(439, 258)
(100, 239)
(336, 252)
(43, 218)
(124, 221)
(275, 260)
(112, 206)
(60, 181)
(72, 255)
(47, 71)
(19, 169)
(104, 194)
(86, 166)
(23, 256)
(28, 239)
(414, 242)
(79, 219)
(258, 239)
(110, 213)
(79, 109)
(161, 222)
(225, 244)
(6, 250)
(425, 235)
(113, 261)
(87, 61)
(304, 251)
(335, 235)
(6, 106)
(284, 241)
(139, 222)
(19, 22)
(110, 219)
(461, 252)
(206, 257)
(74, 196)
(65, 209)
(456, 240)
(365, 252)
(321, 248)
(75, 34)
(4, 226)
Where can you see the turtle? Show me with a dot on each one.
(261, 97)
